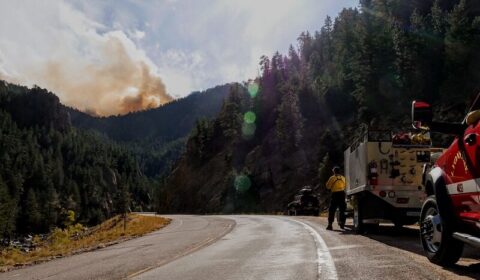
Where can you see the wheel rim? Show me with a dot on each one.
(431, 230)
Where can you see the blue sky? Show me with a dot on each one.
(182, 45)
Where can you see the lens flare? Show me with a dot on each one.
(242, 183)
(249, 117)
(248, 130)
(253, 89)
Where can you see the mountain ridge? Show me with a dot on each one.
(156, 122)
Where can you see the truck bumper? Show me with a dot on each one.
(467, 238)
(397, 196)
(376, 209)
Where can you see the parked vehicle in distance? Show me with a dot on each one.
(304, 203)
(450, 215)
(384, 178)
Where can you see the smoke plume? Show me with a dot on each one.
(92, 69)
(118, 85)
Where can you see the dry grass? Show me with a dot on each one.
(77, 239)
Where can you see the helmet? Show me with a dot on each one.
(336, 169)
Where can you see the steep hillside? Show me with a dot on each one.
(169, 122)
(363, 68)
(49, 169)
(157, 136)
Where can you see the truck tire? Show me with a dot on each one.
(358, 226)
(371, 228)
(436, 235)
(398, 225)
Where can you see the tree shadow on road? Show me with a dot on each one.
(407, 238)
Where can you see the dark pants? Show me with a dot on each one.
(338, 201)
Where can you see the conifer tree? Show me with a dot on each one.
(289, 124)
(324, 171)
(7, 212)
(123, 203)
(459, 51)
(438, 19)
(31, 212)
(230, 116)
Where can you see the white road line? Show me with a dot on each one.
(344, 247)
(326, 266)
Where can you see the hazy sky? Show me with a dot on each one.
(114, 56)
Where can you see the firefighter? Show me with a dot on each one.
(336, 184)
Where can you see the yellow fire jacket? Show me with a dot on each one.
(336, 183)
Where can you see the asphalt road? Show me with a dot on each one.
(184, 235)
(256, 247)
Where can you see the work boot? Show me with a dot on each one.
(329, 227)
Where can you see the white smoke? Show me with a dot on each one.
(50, 44)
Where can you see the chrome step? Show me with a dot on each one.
(467, 238)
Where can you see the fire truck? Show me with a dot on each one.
(450, 215)
(383, 171)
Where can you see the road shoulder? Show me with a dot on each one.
(184, 235)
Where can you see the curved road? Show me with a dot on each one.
(255, 247)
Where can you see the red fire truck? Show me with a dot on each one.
(450, 215)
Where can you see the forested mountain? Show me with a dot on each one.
(362, 68)
(268, 138)
(55, 159)
(157, 136)
(169, 122)
(48, 168)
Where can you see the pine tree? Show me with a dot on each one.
(305, 42)
(438, 19)
(327, 40)
(7, 212)
(201, 138)
(31, 213)
(346, 50)
(123, 203)
(289, 124)
(230, 116)
(459, 51)
(324, 172)
(408, 61)
(293, 59)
